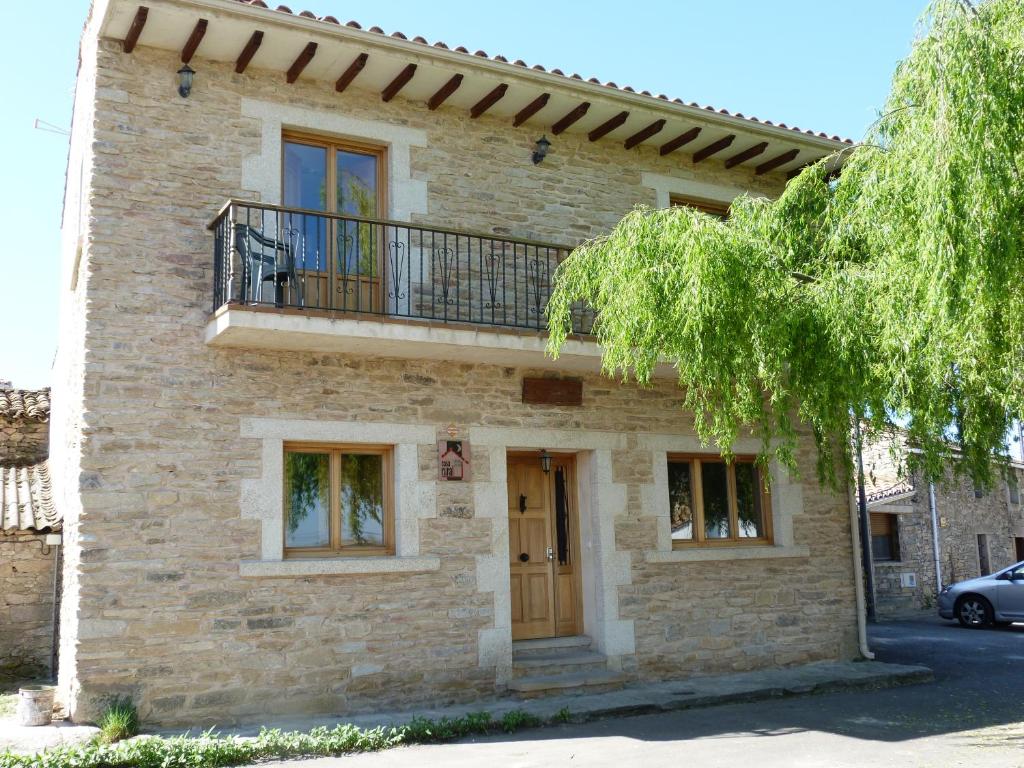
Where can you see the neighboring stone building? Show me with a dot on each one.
(977, 531)
(29, 557)
(262, 510)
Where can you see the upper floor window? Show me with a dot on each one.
(885, 538)
(1014, 485)
(717, 209)
(338, 500)
(711, 502)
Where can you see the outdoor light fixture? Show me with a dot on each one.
(541, 151)
(545, 460)
(185, 75)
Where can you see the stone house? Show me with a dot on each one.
(29, 537)
(301, 261)
(917, 547)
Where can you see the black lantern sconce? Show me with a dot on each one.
(185, 75)
(542, 150)
(545, 461)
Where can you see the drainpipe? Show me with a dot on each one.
(865, 527)
(858, 581)
(935, 538)
(58, 556)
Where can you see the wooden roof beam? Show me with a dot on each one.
(775, 162)
(713, 148)
(682, 139)
(531, 109)
(198, 31)
(300, 63)
(488, 101)
(135, 30)
(249, 51)
(398, 83)
(746, 154)
(350, 72)
(644, 134)
(608, 126)
(444, 92)
(570, 118)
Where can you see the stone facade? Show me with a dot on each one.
(962, 515)
(166, 444)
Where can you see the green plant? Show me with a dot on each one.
(120, 720)
(211, 750)
(516, 719)
(562, 716)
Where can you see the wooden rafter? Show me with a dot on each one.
(775, 162)
(350, 73)
(608, 126)
(300, 63)
(531, 109)
(681, 140)
(488, 101)
(444, 92)
(713, 147)
(570, 118)
(132, 38)
(198, 31)
(746, 154)
(644, 133)
(398, 83)
(255, 41)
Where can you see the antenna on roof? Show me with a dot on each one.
(42, 125)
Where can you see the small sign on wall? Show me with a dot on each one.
(552, 391)
(453, 460)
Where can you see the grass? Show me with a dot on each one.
(211, 750)
(119, 721)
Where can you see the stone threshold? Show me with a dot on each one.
(642, 698)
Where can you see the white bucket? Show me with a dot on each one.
(35, 704)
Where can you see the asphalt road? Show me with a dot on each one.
(972, 715)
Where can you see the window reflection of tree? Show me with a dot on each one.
(748, 500)
(362, 503)
(307, 477)
(681, 497)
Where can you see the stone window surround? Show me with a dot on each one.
(666, 186)
(261, 173)
(262, 498)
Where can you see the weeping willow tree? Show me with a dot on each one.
(893, 294)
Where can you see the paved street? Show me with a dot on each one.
(972, 715)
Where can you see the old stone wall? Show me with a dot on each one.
(23, 441)
(161, 611)
(26, 606)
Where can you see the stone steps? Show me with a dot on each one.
(560, 666)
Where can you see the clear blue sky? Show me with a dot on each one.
(813, 63)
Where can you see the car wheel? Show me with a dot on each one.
(973, 611)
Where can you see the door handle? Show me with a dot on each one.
(550, 554)
(523, 557)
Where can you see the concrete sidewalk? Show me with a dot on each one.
(634, 700)
(645, 698)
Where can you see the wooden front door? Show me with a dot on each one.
(542, 532)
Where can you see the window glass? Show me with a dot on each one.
(749, 501)
(362, 500)
(884, 541)
(307, 499)
(680, 496)
(715, 480)
(305, 186)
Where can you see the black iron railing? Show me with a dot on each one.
(290, 258)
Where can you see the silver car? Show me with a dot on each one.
(994, 599)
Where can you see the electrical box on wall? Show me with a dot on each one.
(908, 580)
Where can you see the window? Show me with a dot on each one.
(1011, 481)
(711, 502)
(717, 209)
(983, 562)
(885, 537)
(979, 492)
(1018, 547)
(338, 500)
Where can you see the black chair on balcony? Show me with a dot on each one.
(267, 260)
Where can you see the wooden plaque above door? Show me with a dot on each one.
(552, 391)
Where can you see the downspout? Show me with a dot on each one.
(935, 538)
(58, 557)
(858, 581)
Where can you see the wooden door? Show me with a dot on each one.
(530, 550)
(565, 522)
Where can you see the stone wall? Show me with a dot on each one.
(23, 441)
(26, 606)
(155, 457)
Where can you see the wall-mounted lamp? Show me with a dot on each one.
(545, 461)
(185, 75)
(542, 149)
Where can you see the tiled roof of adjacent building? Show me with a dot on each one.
(26, 502)
(538, 67)
(25, 404)
(899, 489)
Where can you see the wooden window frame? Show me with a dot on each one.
(336, 549)
(332, 145)
(893, 534)
(695, 460)
(713, 207)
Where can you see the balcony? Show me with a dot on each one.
(293, 279)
